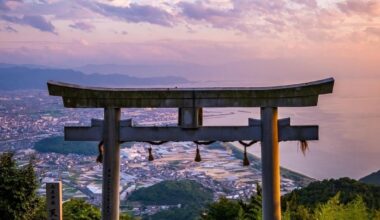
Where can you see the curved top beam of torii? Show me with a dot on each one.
(297, 95)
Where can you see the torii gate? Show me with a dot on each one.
(190, 101)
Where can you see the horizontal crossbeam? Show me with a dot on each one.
(298, 95)
(211, 133)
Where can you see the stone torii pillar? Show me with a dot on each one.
(190, 101)
(270, 159)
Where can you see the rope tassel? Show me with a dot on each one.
(245, 144)
(245, 160)
(304, 146)
(198, 156)
(150, 158)
(99, 159)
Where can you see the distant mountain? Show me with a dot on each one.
(25, 77)
(373, 178)
(148, 70)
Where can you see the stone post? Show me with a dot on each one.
(111, 164)
(54, 200)
(270, 158)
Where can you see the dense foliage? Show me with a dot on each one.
(321, 191)
(233, 209)
(79, 209)
(18, 199)
(373, 178)
(172, 193)
(342, 199)
(333, 209)
(191, 195)
(186, 212)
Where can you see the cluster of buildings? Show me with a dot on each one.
(26, 117)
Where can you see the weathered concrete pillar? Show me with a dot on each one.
(111, 164)
(270, 158)
(54, 200)
(190, 117)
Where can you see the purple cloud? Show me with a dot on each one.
(198, 11)
(371, 7)
(83, 26)
(308, 3)
(219, 18)
(3, 5)
(134, 13)
(34, 21)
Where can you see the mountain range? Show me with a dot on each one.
(16, 77)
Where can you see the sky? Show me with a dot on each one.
(203, 32)
(227, 42)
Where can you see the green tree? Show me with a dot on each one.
(252, 208)
(79, 209)
(239, 210)
(356, 210)
(18, 185)
(222, 209)
(331, 210)
(296, 211)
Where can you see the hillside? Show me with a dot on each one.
(58, 145)
(172, 193)
(192, 196)
(36, 78)
(321, 191)
(373, 178)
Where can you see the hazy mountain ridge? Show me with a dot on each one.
(36, 78)
(373, 178)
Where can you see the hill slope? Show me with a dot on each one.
(172, 193)
(321, 191)
(373, 178)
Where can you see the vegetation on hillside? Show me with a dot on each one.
(191, 195)
(79, 209)
(321, 191)
(341, 199)
(235, 209)
(172, 193)
(19, 201)
(333, 209)
(18, 185)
